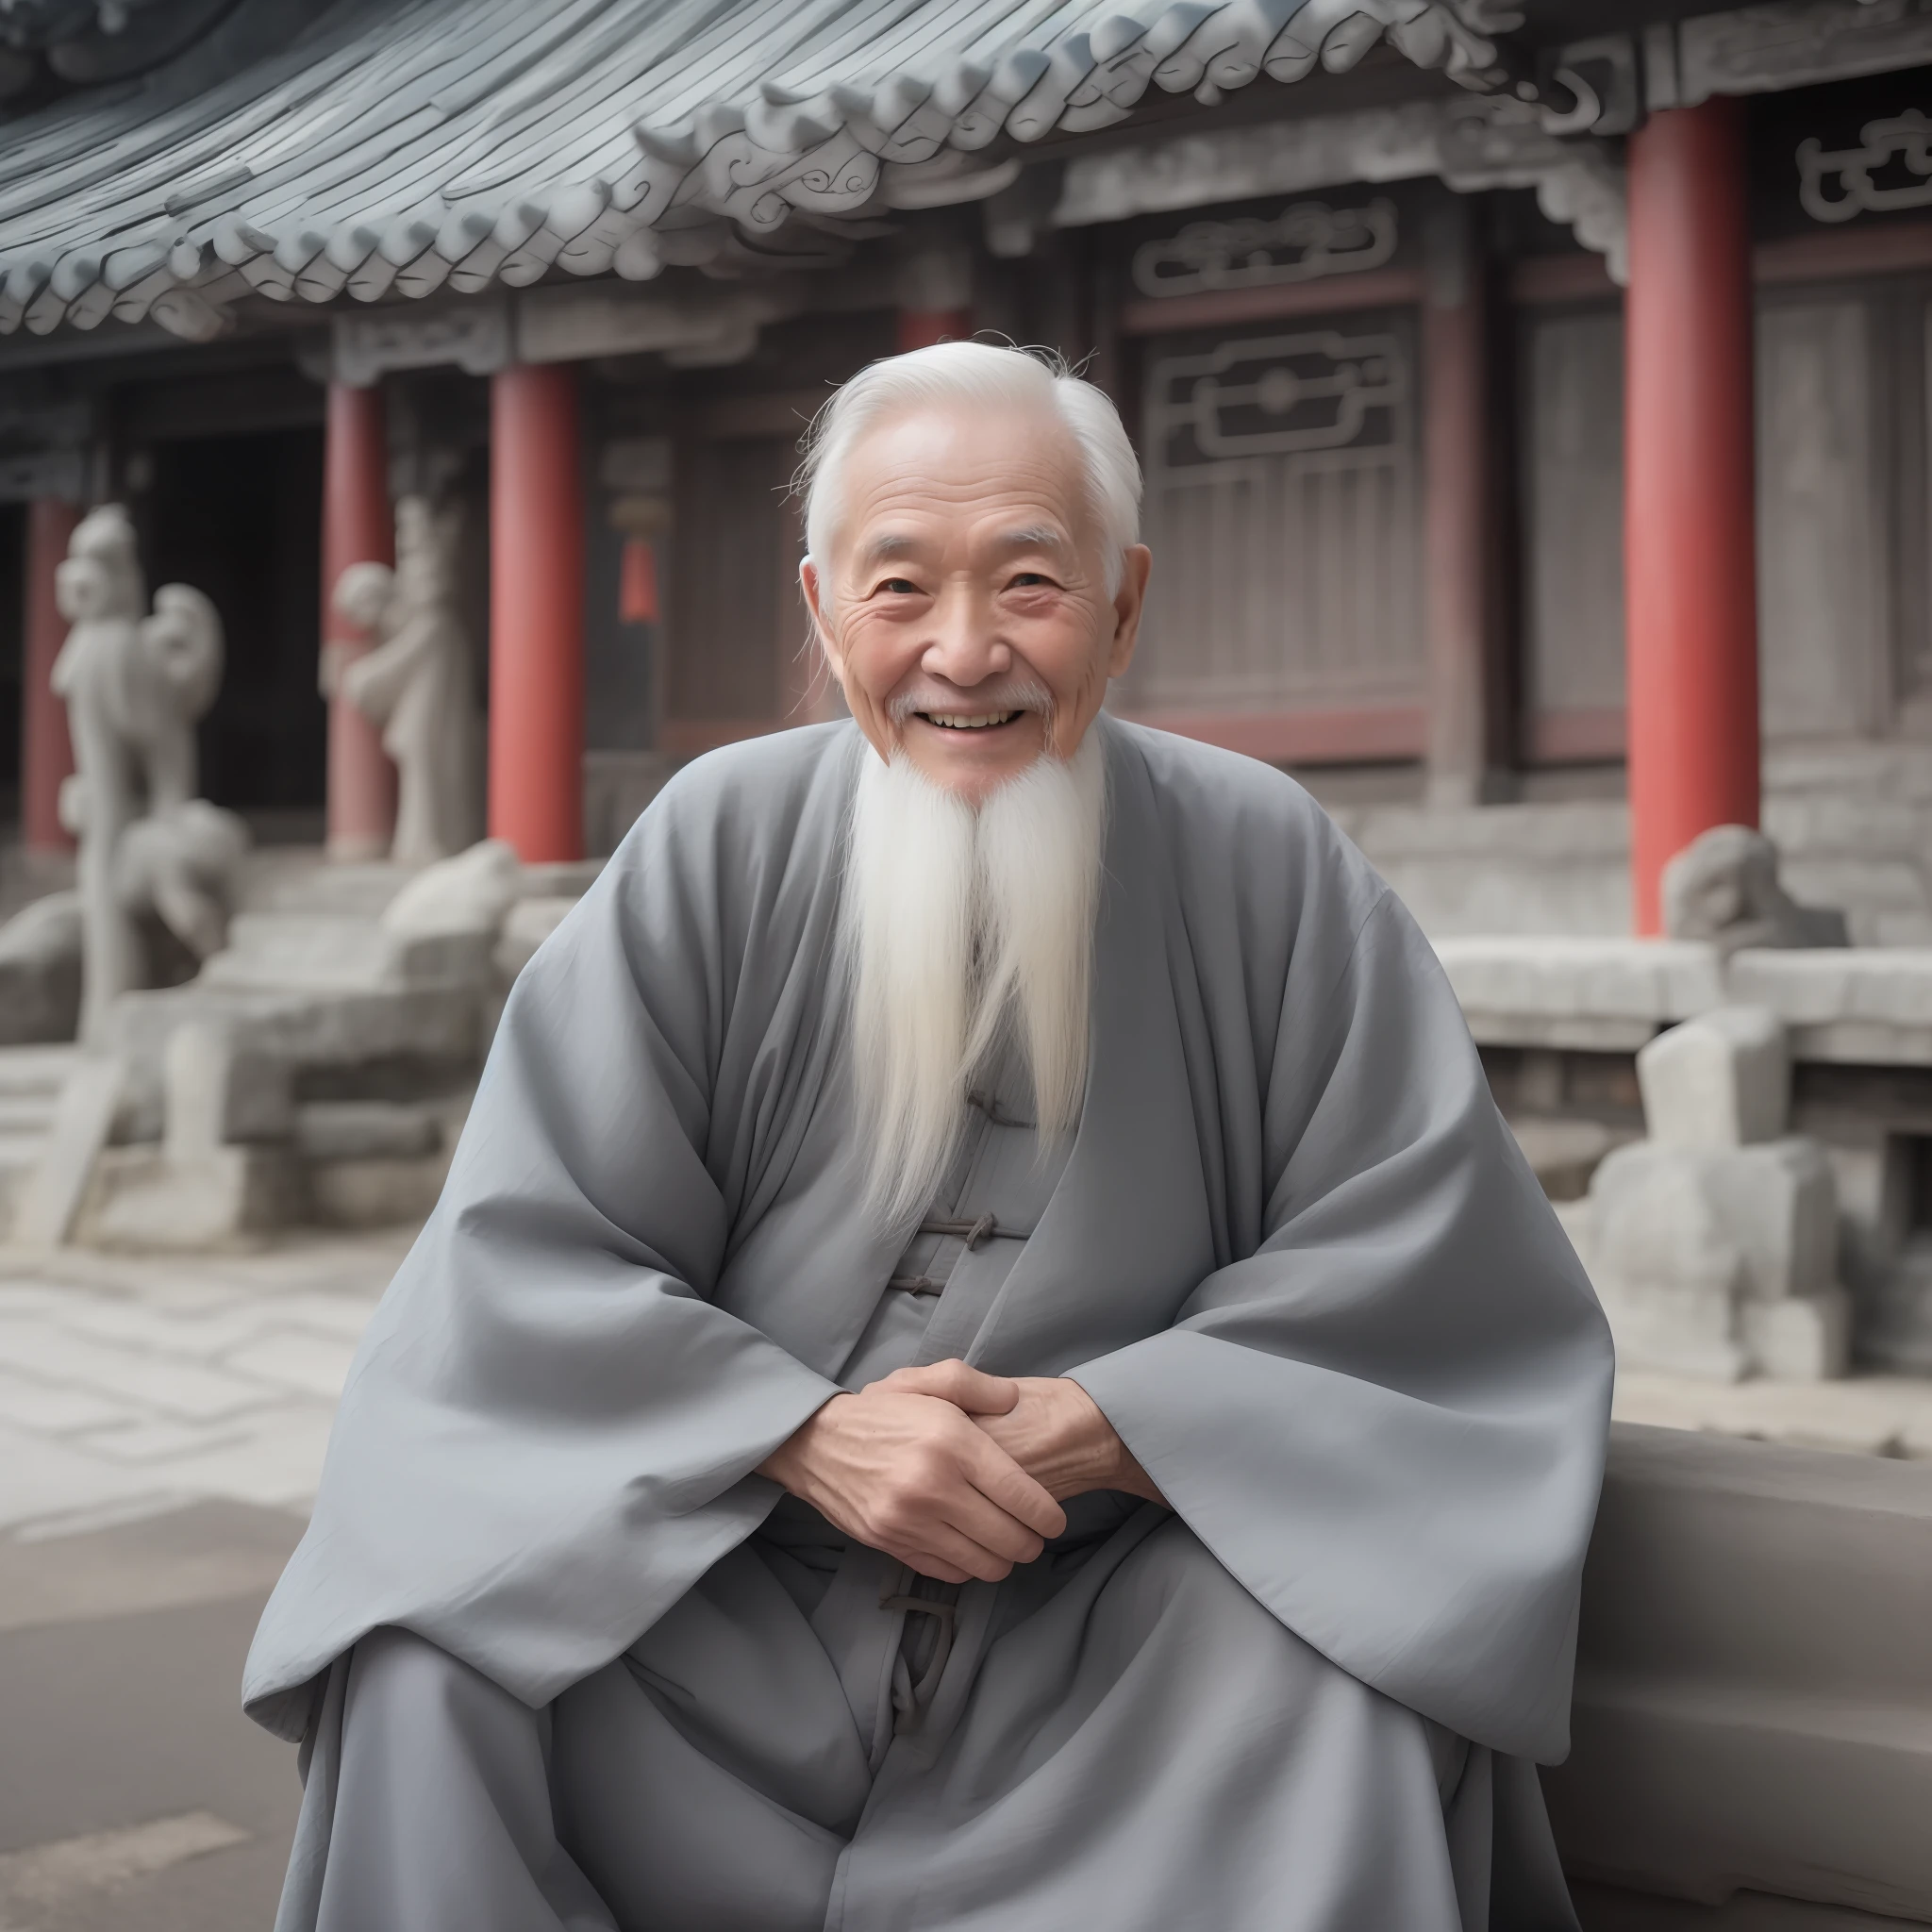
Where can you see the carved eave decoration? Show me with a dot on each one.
(1496, 141)
(462, 144)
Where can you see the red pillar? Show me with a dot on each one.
(46, 756)
(536, 614)
(920, 328)
(356, 527)
(1689, 513)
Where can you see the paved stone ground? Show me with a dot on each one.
(129, 1384)
(162, 1428)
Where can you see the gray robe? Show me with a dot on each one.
(1293, 1255)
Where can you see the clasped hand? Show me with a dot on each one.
(956, 1472)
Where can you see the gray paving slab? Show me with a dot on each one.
(134, 1795)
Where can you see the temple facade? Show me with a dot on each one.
(1534, 401)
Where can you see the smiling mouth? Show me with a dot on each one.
(969, 721)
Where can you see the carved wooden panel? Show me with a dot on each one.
(1282, 508)
(1824, 570)
(1573, 523)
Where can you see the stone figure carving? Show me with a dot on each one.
(1723, 887)
(1713, 1242)
(416, 684)
(134, 684)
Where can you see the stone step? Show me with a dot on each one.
(29, 1113)
(34, 1072)
(303, 881)
(31, 1078)
(304, 951)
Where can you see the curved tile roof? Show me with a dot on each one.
(472, 141)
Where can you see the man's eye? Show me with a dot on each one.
(900, 587)
(1028, 581)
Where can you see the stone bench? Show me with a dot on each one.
(1753, 1720)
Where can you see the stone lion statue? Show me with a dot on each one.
(1723, 887)
(134, 683)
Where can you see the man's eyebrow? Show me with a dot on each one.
(1034, 536)
(888, 545)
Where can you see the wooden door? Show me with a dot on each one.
(1282, 507)
(1573, 531)
(1823, 566)
(738, 659)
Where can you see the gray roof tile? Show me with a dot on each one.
(469, 141)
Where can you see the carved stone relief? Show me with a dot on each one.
(1301, 245)
(475, 337)
(1767, 49)
(1834, 187)
(1473, 143)
(416, 683)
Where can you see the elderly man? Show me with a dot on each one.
(987, 1360)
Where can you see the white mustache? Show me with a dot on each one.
(1010, 695)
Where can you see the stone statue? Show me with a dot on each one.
(1723, 887)
(416, 684)
(134, 685)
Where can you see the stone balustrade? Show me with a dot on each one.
(1855, 1005)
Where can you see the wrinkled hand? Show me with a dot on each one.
(902, 1467)
(1057, 1433)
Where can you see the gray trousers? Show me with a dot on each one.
(1119, 1737)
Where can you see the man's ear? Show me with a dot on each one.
(1137, 561)
(813, 586)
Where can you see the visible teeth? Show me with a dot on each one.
(968, 721)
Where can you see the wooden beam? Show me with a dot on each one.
(1898, 248)
(1828, 255)
(1359, 735)
(1541, 278)
(1577, 738)
(1382, 288)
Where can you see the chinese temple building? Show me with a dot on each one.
(1533, 397)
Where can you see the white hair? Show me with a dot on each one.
(961, 928)
(981, 375)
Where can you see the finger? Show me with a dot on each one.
(994, 1529)
(970, 1389)
(940, 1547)
(1003, 1483)
(927, 1564)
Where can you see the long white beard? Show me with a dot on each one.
(956, 922)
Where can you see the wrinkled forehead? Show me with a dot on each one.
(994, 477)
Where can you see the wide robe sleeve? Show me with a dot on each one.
(548, 1431)
(1386, 1412)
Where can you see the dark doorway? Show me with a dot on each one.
(12, 652)
(239, 517)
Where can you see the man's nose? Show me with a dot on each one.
(965, 647)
